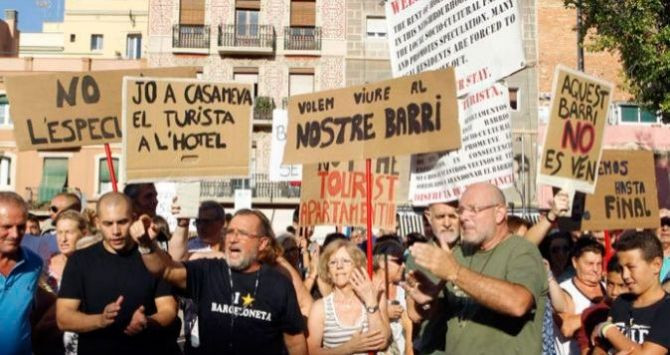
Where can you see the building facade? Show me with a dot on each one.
(280, 47)
(100, 29)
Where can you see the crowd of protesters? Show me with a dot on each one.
(480, 281)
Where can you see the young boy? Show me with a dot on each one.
(639, 322)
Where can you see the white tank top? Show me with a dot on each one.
(336, 334)
(570, 346)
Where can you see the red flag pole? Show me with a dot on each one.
(110, 167)
(609, 252)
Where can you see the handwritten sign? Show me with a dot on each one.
(486, 154)
(179, 129)
(279, 171)
(572, 147)
(625, 196)
(335, 194)
(415, 114)
(70, 110)
(481, 39)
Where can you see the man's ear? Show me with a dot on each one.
(264, 242)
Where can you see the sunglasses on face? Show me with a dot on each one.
(665, 222)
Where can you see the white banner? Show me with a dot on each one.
(486, 153)
(480, 38)
(279, 171)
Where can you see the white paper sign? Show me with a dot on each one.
(242, 199)
(188, 199)
(278, 171)
(481, 38)
(486, 153)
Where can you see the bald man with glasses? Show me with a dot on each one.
(496, 284)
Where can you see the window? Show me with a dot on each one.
(5, 172)
(73, 37)
(514, 99)
(104, 183)
(246, 23)
(303, 13)
(375, 27)
(192, 12)
(247, 76)
(635, 114)
(5, 120)
(300, 83)
(54, 178)
(96, 42)
(134, 46)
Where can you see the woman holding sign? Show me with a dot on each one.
(352, 318)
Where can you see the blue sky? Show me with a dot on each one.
(31, 15)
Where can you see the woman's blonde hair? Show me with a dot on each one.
(75, 216)
(357, 256)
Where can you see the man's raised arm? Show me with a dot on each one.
(158, 262)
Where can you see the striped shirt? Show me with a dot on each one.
(336, 334)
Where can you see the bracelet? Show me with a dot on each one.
(605, 328)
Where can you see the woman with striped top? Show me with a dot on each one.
(349, 319)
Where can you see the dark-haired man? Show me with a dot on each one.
(639, 321)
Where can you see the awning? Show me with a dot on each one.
(54, 177)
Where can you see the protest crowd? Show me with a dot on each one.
(590, 276)
(481, 281)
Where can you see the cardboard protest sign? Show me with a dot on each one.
(486, 154)
(481, 39)
(180, 129)
(278, 171)
(415, 114)
(335, 194)
(70, 110)
(625, 196)
(574, 135)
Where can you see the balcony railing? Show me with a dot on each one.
(190, 36)
(302, 38)
(247, 36)
(263, 188)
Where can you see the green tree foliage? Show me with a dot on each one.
(639, 31)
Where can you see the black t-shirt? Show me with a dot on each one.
(645, 324)
(97, 278)
(249, 319)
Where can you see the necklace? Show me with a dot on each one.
(247, 301)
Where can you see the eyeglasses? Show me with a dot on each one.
(240, 232)
(556, 249)
(475, 209)
(335, 262)
(55, 209)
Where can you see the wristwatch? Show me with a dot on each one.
(372, 309)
